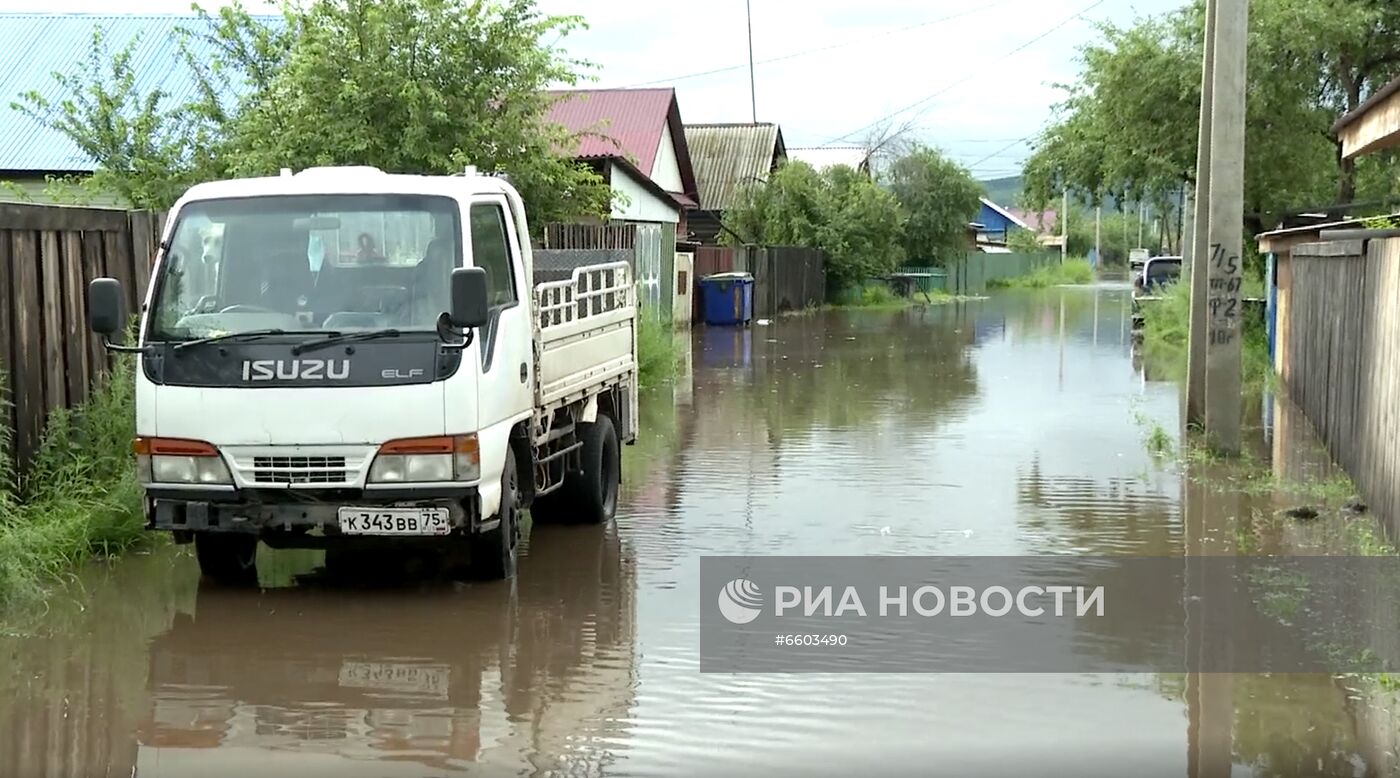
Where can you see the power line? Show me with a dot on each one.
(966, 78)
(819, 49)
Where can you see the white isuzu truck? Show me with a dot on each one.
(344, 358)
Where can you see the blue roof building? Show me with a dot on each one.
(997, 222)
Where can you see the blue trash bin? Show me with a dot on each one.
(728, 298)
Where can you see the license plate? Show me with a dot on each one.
(394, 521)
(424, 679)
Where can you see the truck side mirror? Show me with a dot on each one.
(469, 303)
(106, 306)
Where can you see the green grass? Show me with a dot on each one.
(1166, 326)
(878, 296)
(79, 498)
(658, 353)
(1159, 441)
(1073, 272)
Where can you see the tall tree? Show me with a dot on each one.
(422, 86)
(858, 224)
(1128, 125)
(940, 198)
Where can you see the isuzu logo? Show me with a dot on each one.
(296, 369)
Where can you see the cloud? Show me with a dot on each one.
(880, 56)
(875, 68)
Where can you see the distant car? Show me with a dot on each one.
(1157, 274)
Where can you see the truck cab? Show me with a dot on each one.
(346, 358)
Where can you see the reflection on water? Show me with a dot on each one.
(535, 677)
(998, 427)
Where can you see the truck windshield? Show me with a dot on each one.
(307, 262)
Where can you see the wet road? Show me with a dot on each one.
(1008, 426)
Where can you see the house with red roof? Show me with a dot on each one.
(634, 138)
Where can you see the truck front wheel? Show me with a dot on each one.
(230, 559)
(494, 551)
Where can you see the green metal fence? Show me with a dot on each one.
(928, 279)
(970, 274)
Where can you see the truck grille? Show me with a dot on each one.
(299, 470)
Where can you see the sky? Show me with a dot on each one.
(976, 78)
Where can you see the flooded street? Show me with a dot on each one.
(1009, 426)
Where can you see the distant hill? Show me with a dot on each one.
(1003, 191)
(1006, 191)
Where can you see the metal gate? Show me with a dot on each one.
(649, 268)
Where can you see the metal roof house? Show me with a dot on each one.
(728, 157)
(635, 139)
(35, 46)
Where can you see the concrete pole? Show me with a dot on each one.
(1226, 227)
(1142, 215)
(1098, 236)
(1195, 250)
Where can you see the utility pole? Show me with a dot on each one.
(1225, 234)
(1098, 236)
(1195, 251)
(753, 91)
(1142, 216)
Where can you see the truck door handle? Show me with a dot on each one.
(524, 372)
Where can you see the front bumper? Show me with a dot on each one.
(283, 511)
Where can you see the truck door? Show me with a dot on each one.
(504, 391)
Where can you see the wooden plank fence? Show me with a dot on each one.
(48, 254)
(786, 278)
(1341, 360)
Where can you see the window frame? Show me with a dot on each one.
(512, 250)
(215, 205)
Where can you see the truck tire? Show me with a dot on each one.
(494, 552)
(594, 489)
(230, 559)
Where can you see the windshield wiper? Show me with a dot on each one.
(252, 334)
(313, 345)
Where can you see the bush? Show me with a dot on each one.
(80, 497)
(657, 352)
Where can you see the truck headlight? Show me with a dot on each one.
(420, 460)
(173, 461)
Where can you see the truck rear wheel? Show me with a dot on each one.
(595, 487)
(587, 496)
(227, 558)
(494, 551)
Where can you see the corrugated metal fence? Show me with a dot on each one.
(1341, 361)
(48, 254)
(971, 273)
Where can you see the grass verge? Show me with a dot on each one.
(658, 353)
(79, 498)
(1073, 272)
(878, 296)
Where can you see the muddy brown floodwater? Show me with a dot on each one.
(1009, 426)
